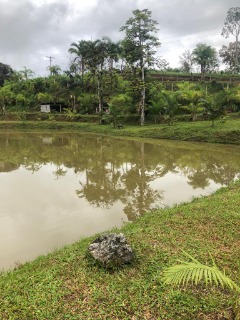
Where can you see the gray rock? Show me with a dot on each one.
(111, 250)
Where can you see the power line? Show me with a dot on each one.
(192, 37)
(50, 63)
(186, 34)
(50, 60)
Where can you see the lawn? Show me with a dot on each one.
(67, 284)
(200, 131)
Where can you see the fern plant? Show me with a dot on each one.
(195, 272)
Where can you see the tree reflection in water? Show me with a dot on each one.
(120, 170)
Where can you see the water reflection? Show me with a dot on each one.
(55, 189)
(120, 174)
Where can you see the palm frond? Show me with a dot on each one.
(195, 272)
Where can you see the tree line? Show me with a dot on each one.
(116, 76)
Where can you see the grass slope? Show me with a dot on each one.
(201, 131)
(67, 285)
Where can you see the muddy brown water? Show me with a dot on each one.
(56, 189)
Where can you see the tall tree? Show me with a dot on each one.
(80, 51)
(26, 73)
(113, 51)
(230, 56)
(232, 27)
(90, 55)
(6, 96)
(113, 55)
(206, 57)
(54, 70)
(5, 73)
(186, 61)
(161, 63)
(139, 46)
(97, 55)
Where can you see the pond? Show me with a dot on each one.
(56, 189)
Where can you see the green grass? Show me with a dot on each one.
(200, 131)
(68, 285)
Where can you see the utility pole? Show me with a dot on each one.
(50, 63)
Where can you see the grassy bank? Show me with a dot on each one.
(67, 285)
(201, 131)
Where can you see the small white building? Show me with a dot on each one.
(53, 107)
(45, 108)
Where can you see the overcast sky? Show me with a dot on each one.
(34, 29)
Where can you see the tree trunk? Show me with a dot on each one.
(194, 116)
(236, 60)
(99, 92)
(143, 95)
(82, 73)
(202, 71)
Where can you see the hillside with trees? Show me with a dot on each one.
(126, 78)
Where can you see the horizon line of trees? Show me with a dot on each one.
(105, 73)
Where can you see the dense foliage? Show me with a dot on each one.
(108, 77)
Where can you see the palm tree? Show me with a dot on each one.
(190, 100)
(215, 106)
(96, 58)
(169, 104)
(90, 55)
(6, 96)
(232, 99)
(196, 272)
(54, 70)
(26, 73)
(113, 52)
(80, 50)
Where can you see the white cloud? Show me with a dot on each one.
(34, 29)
